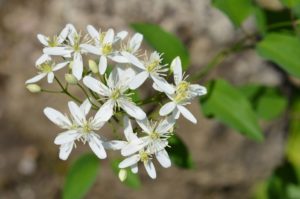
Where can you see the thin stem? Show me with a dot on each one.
(50, 91)
(87, 95)
(66, 92)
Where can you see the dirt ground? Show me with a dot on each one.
(227, 164)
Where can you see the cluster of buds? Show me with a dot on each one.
(116, 70)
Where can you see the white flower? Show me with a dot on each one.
(77, 128)
(47, 68)
(154, 142)
(104, 46)
(184, 93)
(115, 92)
(153, 69)
(72, 48)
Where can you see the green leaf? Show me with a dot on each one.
(293, 191)
(179, 153)
(268, 102)
(236, 10)
(132, 180)
(290, 3)
(81, 177)
(163, 42)
(283, 50)
(228, 105)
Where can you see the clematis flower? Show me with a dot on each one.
(47, 69)
(104, 46)
(77, 128)
(115, 94)
(153, 69)
(184, 93)
(73, 48)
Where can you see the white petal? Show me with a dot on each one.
(176, 113)
(135, 42)
(120, 35)
(165, 125)
(163, 84)
(36, 78)
(114, 144)
(66, 137)
(60, 66)
(133, 147)
(177, 70)
(65, 150)
(85, 107)
(77, 113)
(91, 49)
(102, 64)
(154, 85)
(149, 166)
(105, 112)
(132, 160)
(96, 86)
(57, 51)
(50, 77)
(97, 147)
(128, 131)
(63, 35)
(145, 125)
(131, 109)
(42, 59)
(167, 108)
(133, 59)
(77, 66)
(93, 32)
(118, 58)
(163, 158)
(43, 39)
(57, 118)
(109, 36)
(113, 78)
(134, 168)
(187, 114)
(198, 90)
(138, 80)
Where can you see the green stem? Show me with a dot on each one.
(63, 90)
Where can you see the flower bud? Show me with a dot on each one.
(34, 88)
(71, 65)
(71, 79)
(122, 175)
(93, 66)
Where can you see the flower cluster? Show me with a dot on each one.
(109, 87)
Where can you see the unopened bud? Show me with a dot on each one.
(122, 175)
(93, 66)
(71, 79)
(34, 88)
(71, 64)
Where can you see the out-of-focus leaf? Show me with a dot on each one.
(228, 105)
(283, 50)
(163, 42)
(132, 180)
(266, 101)
(236, 10)
(290, 3)
(179, 153)
(293, 191)
(261, 20)
(81, 177)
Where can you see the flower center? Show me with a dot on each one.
(144, 156)
(76, 45)
(154, 135)
(53, 41)
(86, 128)
(45, 67)
(182, 91)
(115, 94)
(101, 36)
(107, 49)
(152, 66)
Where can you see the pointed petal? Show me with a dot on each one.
(113, 78)
(102, 64)
(163, 158)
(36, 78)
(149, 166)
(138, 80)
(133, 59)
(163, 84)
(134, 168)
(105, 112)
(131, 109)
(76, 113)
(132, 160)
(60, 66)
(145, 125)
(135, 42)
(95, 85)
(66, 137)
(118, 58)
(57, 51)
(77, 66)
(57, 118)
(167, 108)
(85, 107)
(50, 77)
(42, 59)
(114, 144)
(63, 35)
(109, 36)
(177, 70)
(92, 32)
(165, 125)
(65, 150)
(91, 49)
(187, 114)
(198, 90)
(120, 35)
(133, 147)
(97, 147)
(128, 131)
(43, 39)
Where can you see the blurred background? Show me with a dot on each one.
(228, 165)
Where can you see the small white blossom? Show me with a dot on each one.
(47, 69)
(115, 93)
(77, 128)
(184, 93)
